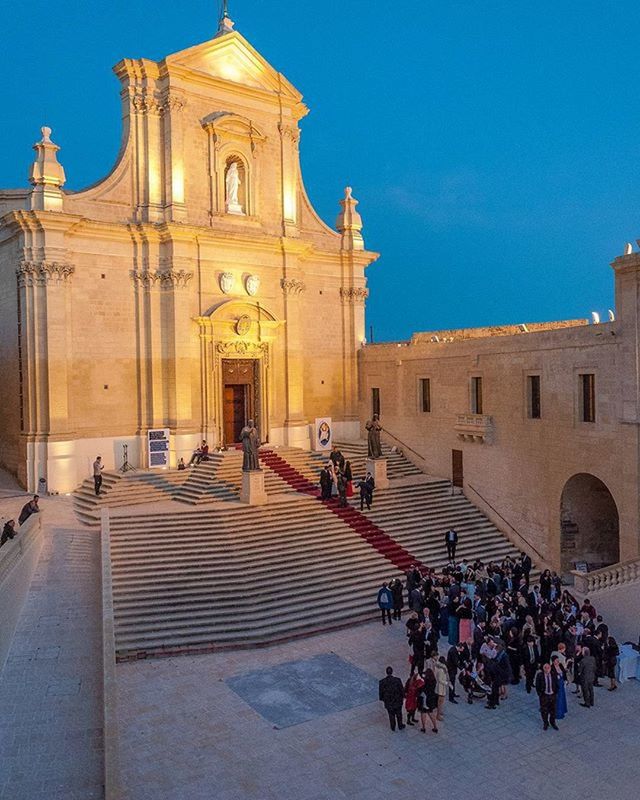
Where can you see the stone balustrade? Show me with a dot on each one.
(608, 577)
(474, 427)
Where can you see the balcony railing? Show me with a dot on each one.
(608, 577)
(474, 427)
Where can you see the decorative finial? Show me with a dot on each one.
(628, 249)
(349, 222)
(225, 25)
(46, 175)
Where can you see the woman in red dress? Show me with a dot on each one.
(411, 689)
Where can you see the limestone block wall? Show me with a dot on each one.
(523, 464)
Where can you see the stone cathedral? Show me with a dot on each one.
(192, 288)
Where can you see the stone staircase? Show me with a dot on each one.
(220, 478)
(229, 575)
(118, 490)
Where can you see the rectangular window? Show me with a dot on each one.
(588, 399)
(533, 396)
(476, 395)
(375, 401)
(425, 394)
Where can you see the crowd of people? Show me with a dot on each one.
(336, 480)
(9, 529)
(479, 628)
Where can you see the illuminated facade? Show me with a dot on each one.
(192, 288)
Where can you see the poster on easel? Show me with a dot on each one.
(322, 434)
(158, 448)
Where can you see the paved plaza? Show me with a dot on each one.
(185, 734)
(51, 686)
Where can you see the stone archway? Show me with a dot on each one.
(589, 523)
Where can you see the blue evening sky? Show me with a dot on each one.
(494, 145)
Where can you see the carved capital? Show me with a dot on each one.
(289, 132)
(292, 286)
(43, 273)
(178, 279)
(353, 294)
(174, 103)
(166, 279)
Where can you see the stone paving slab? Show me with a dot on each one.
(51, 686)
(186, 735)
(300, 691)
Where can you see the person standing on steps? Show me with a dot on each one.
(325, 483)
(385, 603)
(398, 598)
(341, 483)
(451, 541)
(366, 492)
(391, 693)
(98, 466)
(337, 459)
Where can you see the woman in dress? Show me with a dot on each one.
(465, 617)
(561, 697)
(398, 600)
(611, 653)
(443, 684)
(545, 585)
(428, 701)
(348, 476)
(411, 689)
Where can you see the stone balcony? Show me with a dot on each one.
(474, 427)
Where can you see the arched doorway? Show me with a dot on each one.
(589, 523)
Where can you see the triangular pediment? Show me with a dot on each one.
(230, 57)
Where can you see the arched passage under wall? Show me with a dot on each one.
(589, 523)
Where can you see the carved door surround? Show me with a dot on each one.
(221, 346)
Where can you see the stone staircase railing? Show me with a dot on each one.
(608, 577)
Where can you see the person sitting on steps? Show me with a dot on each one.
(200, 454)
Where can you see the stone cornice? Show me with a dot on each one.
(43, 273)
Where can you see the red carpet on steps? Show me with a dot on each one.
(357, 521)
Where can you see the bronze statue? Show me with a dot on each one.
(373, 439)
(250, 443)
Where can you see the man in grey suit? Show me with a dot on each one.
(587, 674)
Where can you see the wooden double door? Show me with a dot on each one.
(240, 396)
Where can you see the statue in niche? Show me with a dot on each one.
(250, 443)
(232, 183)
(374, 428)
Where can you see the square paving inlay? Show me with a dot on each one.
(299, 691)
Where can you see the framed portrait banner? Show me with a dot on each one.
(322, 433)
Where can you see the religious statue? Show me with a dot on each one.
(232, 185)
(250, 443)
(373, 439)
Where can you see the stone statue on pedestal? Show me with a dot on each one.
(373, 439)
(250, 443)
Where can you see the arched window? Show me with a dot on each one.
(236, 189)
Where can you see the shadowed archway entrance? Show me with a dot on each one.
(589, 523)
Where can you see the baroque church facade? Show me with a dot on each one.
(190, 289)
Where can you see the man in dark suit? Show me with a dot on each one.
(530, 661)
(391, 693)
(325, 484)
(547, 689)
(526, 566)
(451, 540)
(454, 657)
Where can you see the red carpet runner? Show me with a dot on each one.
(357, 521)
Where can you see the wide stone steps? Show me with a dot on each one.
(119, 491)
(229, 575)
